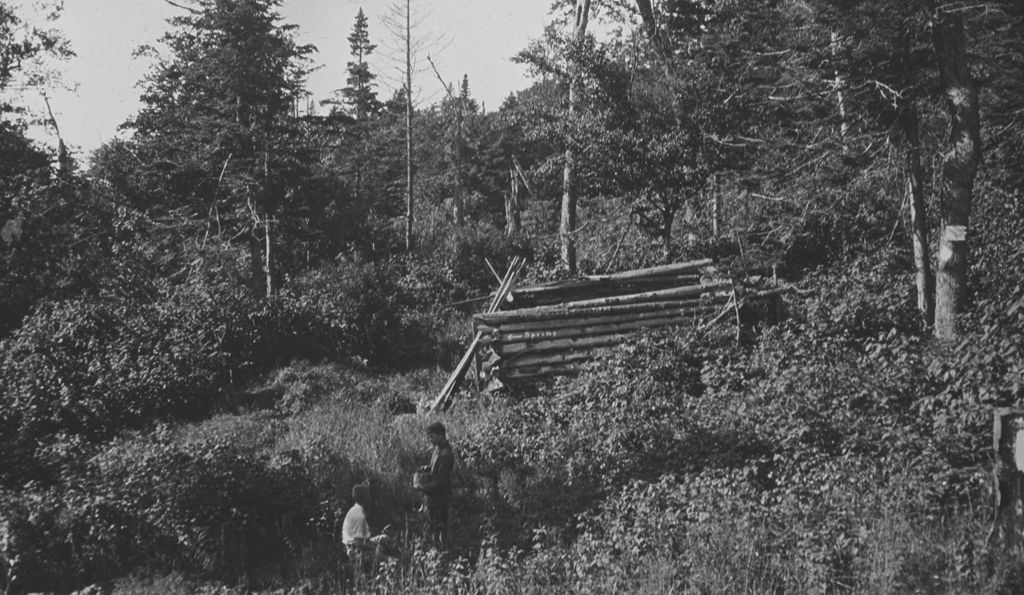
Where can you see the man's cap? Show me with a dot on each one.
(436, 428)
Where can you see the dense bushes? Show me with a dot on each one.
(838, 450)
(805, 460)
(786, 463)
(257, 498)
(213, 507)
(97, 367)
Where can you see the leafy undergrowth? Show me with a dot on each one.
(841, 450)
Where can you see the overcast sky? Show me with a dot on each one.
(478, 39)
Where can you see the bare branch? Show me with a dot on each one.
(183, 7)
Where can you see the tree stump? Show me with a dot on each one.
(1008, 442)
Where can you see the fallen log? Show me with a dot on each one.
(666, 269)
(586, 289)
(538, 371)
(527, 360)
(599, 316)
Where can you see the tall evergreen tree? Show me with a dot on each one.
(359, 93)
(217, 130)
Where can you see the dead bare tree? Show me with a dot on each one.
(567, 226)
(403, 21)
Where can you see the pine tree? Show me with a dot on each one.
(217, 127)
(359, 93)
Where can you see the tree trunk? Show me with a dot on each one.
(256, 261)
(409, 238)
(651, 27)
(958, 171)
(925, 278)
(459, 203)
(837, 86)
(567, 228)
(512, 218)
(716, 208)
(268, 262)
(667, 218)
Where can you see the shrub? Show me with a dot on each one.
(624, 420)
(99, 367)
(365, 311)
(95, 368)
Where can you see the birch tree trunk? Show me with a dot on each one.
(925, 278)
(837, 87)
(567, 228)
(959, 168)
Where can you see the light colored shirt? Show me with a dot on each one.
(355, 526)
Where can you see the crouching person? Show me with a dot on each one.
(364, 549)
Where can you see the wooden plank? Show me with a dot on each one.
(667, 269)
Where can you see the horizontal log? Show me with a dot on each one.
(552, 312)
(598, 316)
(540, 371)
(667, 269)
(564, 291)
(511, 320)
(594, 282)
(648, 296)
(609, 325)
(564, 344)
(527, 360)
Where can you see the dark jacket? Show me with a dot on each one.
(437, 490)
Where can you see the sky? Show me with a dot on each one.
(473, 37)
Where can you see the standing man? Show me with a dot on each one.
(437, 487)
